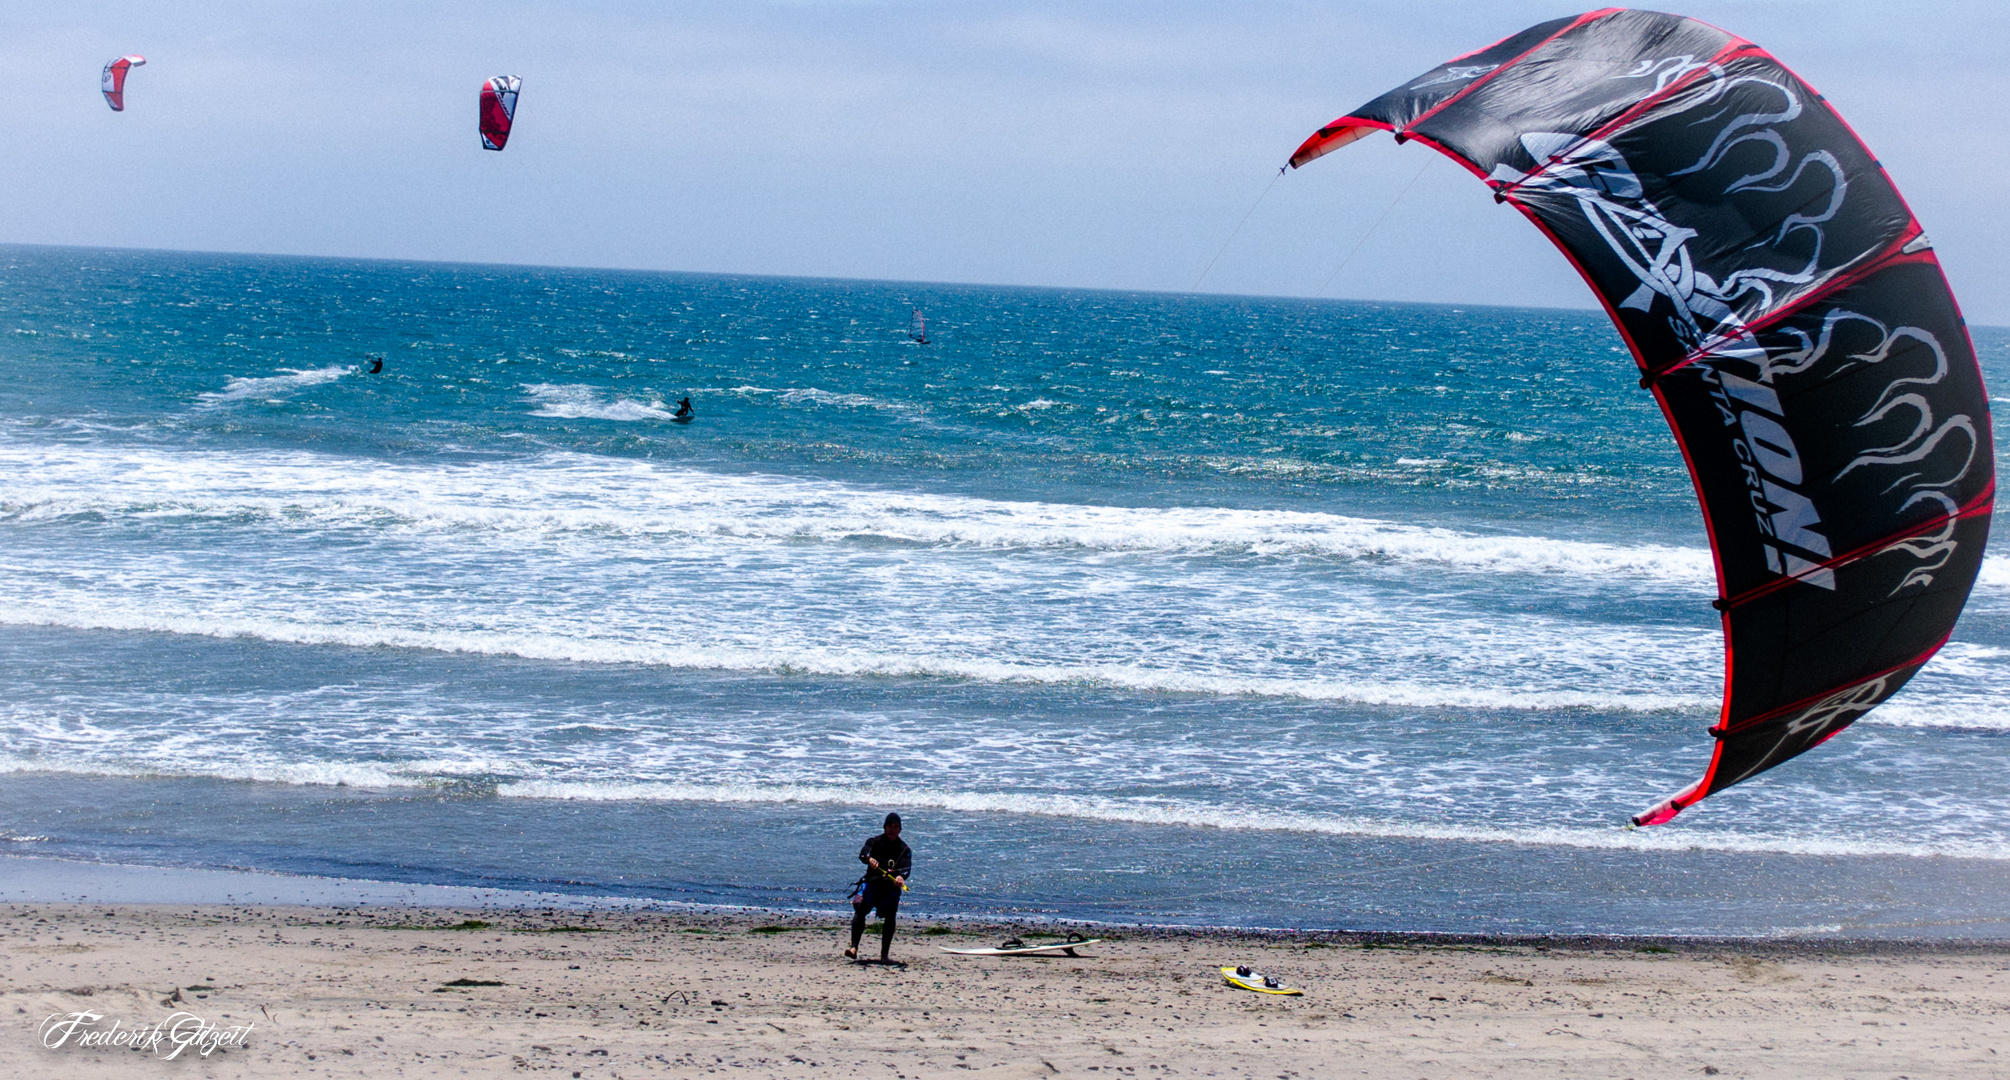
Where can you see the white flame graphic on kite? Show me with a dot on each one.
(1931, 549)
(1656, 250)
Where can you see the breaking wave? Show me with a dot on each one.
(1190, 814)
(571, 492)
(854, 663)
(1148, 811)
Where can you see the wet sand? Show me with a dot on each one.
(373, 992)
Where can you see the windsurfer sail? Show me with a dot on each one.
(114, 83)
(498, 110)
(1789, 315)
(918, 328)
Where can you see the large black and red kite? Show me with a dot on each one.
(1788, 314)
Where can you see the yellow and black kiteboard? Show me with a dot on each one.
(1245, 978)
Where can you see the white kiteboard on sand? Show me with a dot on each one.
(1243, 978)
(1015, 947)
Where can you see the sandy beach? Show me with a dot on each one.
(382, 991)
(1447, 541)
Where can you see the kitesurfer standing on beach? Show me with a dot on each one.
(887, 863)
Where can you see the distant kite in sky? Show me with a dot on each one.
(498, 109)
(1788, 314)
(115, 80)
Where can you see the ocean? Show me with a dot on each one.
(1139, 608)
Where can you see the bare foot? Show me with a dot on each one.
(851, 954)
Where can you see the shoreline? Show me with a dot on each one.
(61, 882)
(645, 852)
(386, 990)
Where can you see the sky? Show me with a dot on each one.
(1087, 144)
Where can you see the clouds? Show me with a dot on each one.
(1090, 144)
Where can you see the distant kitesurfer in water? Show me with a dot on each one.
(376, 365)
(683, 410)
(887, 863)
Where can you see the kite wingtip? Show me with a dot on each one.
(1663, 811)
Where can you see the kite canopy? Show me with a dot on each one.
(498, 110)
(114, 82)
(1791, 319)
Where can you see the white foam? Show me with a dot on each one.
(815, 396)
(298, 773)
(1976, 713)
(576, 402)
(1189, 814)
(852, 663)
(270, 386)
(563, 557)
(581, 492)
(1151, 811)
(1965, 687)
(1979, 707)
(1995, 575)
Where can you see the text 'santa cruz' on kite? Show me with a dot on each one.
(1792, 321)
(498, 110)
(114, 83)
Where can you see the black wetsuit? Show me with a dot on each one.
(881, 894)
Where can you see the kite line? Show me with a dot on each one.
(1238, 230)
(1330, 278)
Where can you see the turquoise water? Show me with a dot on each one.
(1141, 607)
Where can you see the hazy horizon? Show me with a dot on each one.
(1589, 307)
(1110, 145)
